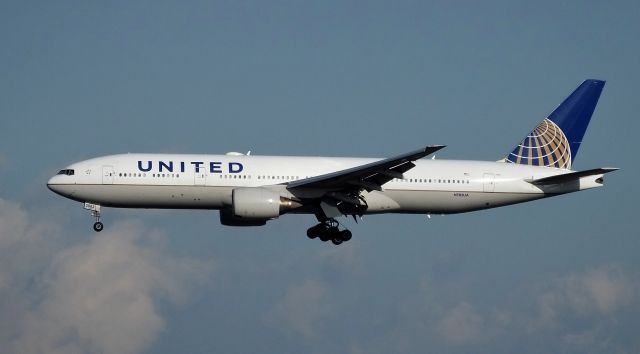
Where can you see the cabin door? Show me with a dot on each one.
(488, 182)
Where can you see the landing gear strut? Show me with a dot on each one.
(328, 230)
(95, 212)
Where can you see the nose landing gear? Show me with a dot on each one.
(328, 231)
(98, 226)
(95, 212)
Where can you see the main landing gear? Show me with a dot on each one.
(328, 230)
(95, 212)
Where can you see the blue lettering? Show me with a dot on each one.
(168, 167)
(215, 167)
(149, 165)
(197, 164)
(235, 167)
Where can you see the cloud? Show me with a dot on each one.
(602, 292)
(301, 308)
(461, 324)
(98, 296)
(580, 312)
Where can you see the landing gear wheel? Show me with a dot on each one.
(311, 234)
(345, 235)
(316, 231)
(328, 230)
(97, 227)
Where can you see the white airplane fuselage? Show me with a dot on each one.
(431, 187)
(250, 190)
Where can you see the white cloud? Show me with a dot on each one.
(302, 307)
(461, 324)
(598, 292)
(99, 296)
(604, 290)
(579, 312)
(341, 261)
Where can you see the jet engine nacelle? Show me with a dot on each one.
(228, 219)
(257, 203)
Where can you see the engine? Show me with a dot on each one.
(227, 218)
(253, 206)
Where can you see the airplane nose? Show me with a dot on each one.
(56, 185)
(51, 184)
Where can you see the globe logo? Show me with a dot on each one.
(546, 146)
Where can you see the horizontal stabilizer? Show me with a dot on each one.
(571, 176)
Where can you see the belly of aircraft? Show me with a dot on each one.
(446, 202)
(145, 196)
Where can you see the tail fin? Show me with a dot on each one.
(556, 140)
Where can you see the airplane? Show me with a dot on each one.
(249, 190)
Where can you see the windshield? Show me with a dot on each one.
(67, 172)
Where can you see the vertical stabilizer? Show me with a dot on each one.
(556, 140)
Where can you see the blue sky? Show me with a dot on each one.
(337, 78)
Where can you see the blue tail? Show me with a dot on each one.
(556, 140)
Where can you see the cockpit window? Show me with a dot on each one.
(67, 172)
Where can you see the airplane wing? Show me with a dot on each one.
(366, 177)
(571, 176)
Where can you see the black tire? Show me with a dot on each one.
(98, 226)
(316, 230)
(336, 241)
(345, 235)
